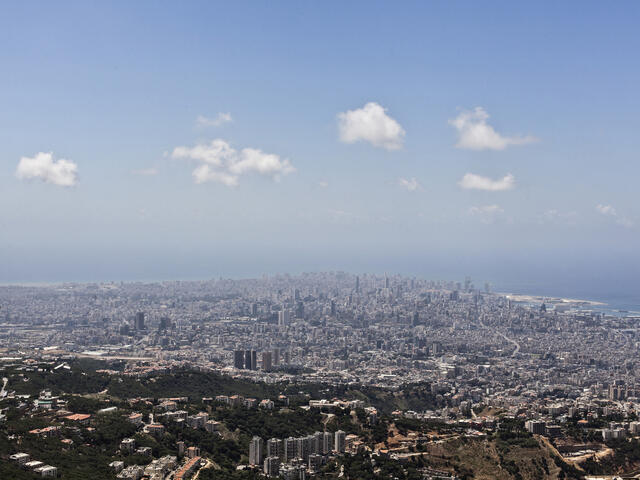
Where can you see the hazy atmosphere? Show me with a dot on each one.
(295, 240)
(155, 140)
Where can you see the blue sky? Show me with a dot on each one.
(496, 139)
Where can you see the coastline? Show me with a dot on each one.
(527, 298)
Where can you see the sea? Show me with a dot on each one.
(616, 302)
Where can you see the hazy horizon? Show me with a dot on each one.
(160, 143)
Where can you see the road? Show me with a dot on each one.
(515, 352)
(510, 340)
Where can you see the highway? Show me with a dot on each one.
(510, 340)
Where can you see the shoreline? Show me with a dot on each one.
(521, 297)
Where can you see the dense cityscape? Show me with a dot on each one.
(382, 369)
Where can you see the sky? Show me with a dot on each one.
(178, 140)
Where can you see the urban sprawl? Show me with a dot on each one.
(318, 375)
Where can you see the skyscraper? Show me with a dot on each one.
(250, 360)
(139, 321)
(165, 323)
(256, 451)
(283, 318)
(266, 361)
(238, 359)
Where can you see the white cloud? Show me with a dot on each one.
(204, 174)
(221, 163)
(323, 184)
(486, 209)
(409, 184)
(219, 119)
(477, 182)
(216, 153)
(558, 217)
(486, 213)
(145, 172)
(254, 160)
(609, 211)
(474, 133)
(42, 166)
(371, 124)
(606, 210)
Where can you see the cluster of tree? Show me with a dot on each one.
(270, 423)
(363, 466)
(626, 457)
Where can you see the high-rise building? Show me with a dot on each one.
(139, 321)
(165, 323)
(276, 356)
(256, 451)
(327, 443)
(289, 449)
(250, 360)
(272, 466)
(357, 284)
(238, 359)
(275, 448)
(303, 447)
(254, 309)
(266, 361)
(283, 318)
(315, 462)
(317, 442)
(339, 443)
